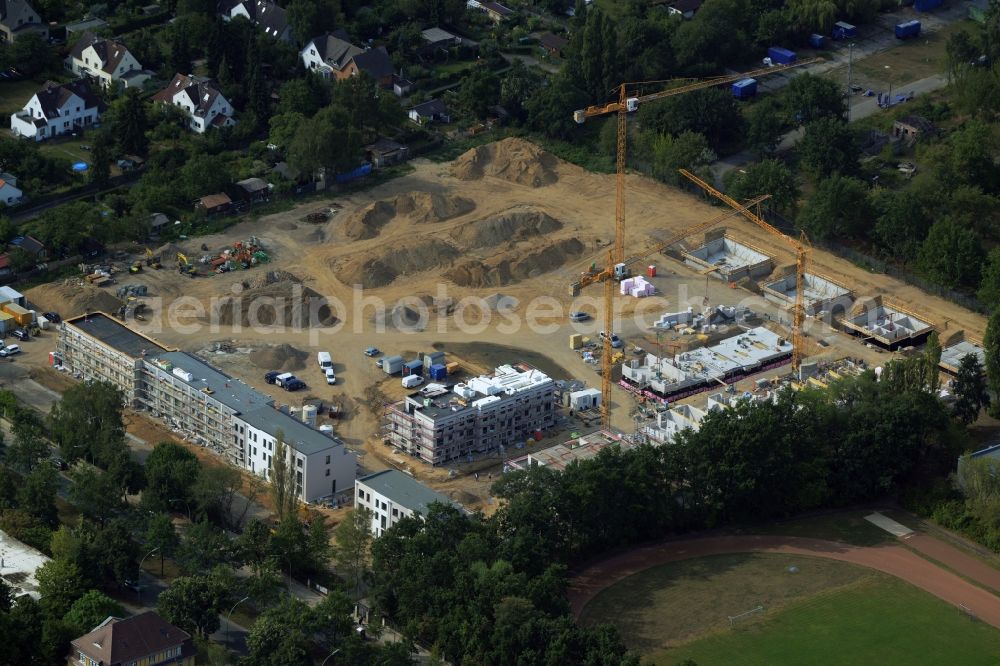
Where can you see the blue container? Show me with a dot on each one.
(844, 30)
(413, 368)
(926, 5)
(439, 371)
(817, 41)
(907, 30)
(781, 56)
(745, 88)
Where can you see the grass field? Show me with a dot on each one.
(846, 526)
(13, 96)
(667, 605)
(879, 620)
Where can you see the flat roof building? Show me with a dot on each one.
(204, 404)
(485, 414)
(392, 495)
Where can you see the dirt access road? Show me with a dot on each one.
(894, 560)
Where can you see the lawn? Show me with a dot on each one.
(846, 526)
(13, 96)
(880, 620)
(678, 602)
(68, 149)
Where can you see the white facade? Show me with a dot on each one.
(108, 61)
(200, 100)
(54, 111)
(668, 424)
(391, 495)
(385, 512)
(9, 194)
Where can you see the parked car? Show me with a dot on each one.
(616, 342)
(378, 363)
(372, 351)
(294, 385)
(578, 316)
(52, 316)
(10, 350)
(271, 376)
(331, 378)
(20, 334)
(59, 464)
(283, 379)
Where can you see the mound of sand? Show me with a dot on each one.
(285, 302)
(512, 225)
(400, 317)
(269, 277)
(367, 221)
(426, 207)
(381, 268)
(504, 272)
(514, 160)
(70, 299)
(280, 357)
(416, 207)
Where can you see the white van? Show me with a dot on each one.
(409, 381)
(324, 360)
(10, 350)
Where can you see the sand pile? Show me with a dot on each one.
(514, 160)
(282, 302)
(70, 299)
(512, 225)
(269, 277)
(400, 317)
(280, 357)
(384, 266)
(499, 273)
(367, 221)
(426, 208)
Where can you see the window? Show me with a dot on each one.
(328, 460)
(298, 463)
(328, 471)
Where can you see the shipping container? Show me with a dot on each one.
(781, 56)
(907, 30)
(392, 364)
(926, 5)
(413, 368)
(433, 358)
(452, 367)
(817, 41)
(439, 371)
(742, 89)
(7, 323)
(20, 315)
(844, 30)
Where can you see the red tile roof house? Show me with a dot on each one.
(200, 98)
(145, 639)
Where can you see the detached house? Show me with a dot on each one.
(267, 16)
(200, 98)
(57, 109)
(10, 195)
(105, 60)
(334, 57)
(145, 639)
(18, 18)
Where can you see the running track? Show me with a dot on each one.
(891, 559)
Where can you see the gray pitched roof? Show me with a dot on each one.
(404, 490)
(335, 51)
(109, 51)
(375, 62)
(54, 96)
(17, 14)
(200, 90)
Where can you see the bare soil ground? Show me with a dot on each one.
(503, 216)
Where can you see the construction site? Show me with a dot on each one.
(456, 257)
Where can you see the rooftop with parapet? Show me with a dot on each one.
(404, 490)
(113, 333)
(507, 380)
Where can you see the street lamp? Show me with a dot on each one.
(329, 655)
(138, 586)
(229, 618)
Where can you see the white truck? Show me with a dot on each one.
(324, 360)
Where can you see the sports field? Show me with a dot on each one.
(823, 612)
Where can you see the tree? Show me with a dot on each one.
(901, 223)
(95, 493)
(354, 539)
(813, 15)
(768, 177)
(215, 491)
(961, 51)
(161, 535)
(29, 447)
(116, 553)
(478, 92)
(970, 390)
(547, 109)
(327, 141)
(991, 346)
(179, 59)
(171, 472)
(838, 208)
(516, 87)
(687, 150)
(87, 421)
(204, 546)
(809, 97)
(282, 477)
(60, 584)
(989, 287)
(951, 255)
(193, 603)
(30, 54)
(37, 495)
(829, 147)
(765, 126)
(130, 123)
(90, 610)
(711, 112)
(281, 635)
(100, 168)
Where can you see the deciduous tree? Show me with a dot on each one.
(354, 539)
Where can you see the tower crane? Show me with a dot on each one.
(615, 267)
(801, 248)
(608, 277)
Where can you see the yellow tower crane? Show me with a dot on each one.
(616, 269)
(801, 248)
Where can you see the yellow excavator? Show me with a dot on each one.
(184, 266)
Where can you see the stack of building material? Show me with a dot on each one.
(637, 287)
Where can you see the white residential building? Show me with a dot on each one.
(57, 109)
(333, 57)
(105, 60)
(10, 195)
(391, 496)
(200, 98)
(267, 16)
(669, 423)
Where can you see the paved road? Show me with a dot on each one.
(895, 560)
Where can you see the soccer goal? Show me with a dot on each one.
(745, 615)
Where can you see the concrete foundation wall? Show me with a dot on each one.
(734, 260)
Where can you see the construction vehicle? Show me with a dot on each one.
(136, 267)
(152, 260)
(628, 103)
(186, 267)
(801, 248)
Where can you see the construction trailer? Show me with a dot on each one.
(887, 325)
(726, 258)
(822, 294)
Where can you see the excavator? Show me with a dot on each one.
(184, 266)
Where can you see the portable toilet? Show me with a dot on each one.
(744, 89)
(439, 371)
(415, 367)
